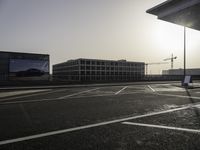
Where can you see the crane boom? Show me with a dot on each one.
(154, 63)
(172, 60)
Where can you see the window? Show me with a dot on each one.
(82, 67)
(87, 67)
(87, 62)
(82, 72)
(87, 73)
(82, 62)
(102, 68)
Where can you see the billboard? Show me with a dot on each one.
(30, 69)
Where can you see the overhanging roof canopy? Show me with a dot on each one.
(181, 12)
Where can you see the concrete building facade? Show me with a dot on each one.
(98, 70)
(192, 72)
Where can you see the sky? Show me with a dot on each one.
(98, 29)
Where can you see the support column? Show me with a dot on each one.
(184, 51)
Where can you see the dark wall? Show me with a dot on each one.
(4, 66)
(6, 57)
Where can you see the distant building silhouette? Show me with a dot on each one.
(98, 70)
(191, 71)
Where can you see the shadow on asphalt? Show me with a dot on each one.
(196, 110)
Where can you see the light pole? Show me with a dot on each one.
(184, 51)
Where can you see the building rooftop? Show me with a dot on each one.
(22, 53)
(121, 60)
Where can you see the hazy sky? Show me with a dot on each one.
(102, 29)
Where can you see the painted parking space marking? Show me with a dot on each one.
(34, 94)
(151, 88)
(51, 133)
(172, 95)
(78, 93)
(29, 95)
(121, 90)
(15, 93)
(161, 127)
(101, 95)
(50, 99)
(179, 96)
(74, 97)
(165, 87)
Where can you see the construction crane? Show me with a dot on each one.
(172, 60)
(155, 63)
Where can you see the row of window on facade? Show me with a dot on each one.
(99, 68)
(110, 63)
(111, 78)
(99, 73)
(98, 63)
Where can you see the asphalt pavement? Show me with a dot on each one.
(121, 117)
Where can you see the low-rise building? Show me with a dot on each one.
(191, 71)
(98, 70)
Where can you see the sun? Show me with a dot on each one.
(168, 38)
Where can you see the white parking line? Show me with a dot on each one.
(23, 96)
(40, 100)
(7, 94)
(101, 95)
(74, 94)
(50, 99)
(151, 88)
(121, 90)
(35, 94)
(162, 127)
(180, 96)
(36, 136)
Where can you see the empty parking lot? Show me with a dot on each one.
(138, 116)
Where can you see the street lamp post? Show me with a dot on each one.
(188, 79)
(184, 51)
